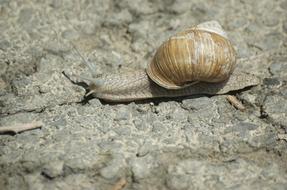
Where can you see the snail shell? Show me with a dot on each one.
(201, 53)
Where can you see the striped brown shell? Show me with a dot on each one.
(201, 53)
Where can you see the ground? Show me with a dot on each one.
(194, 142)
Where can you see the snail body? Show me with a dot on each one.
(136, 85)
(199, 60)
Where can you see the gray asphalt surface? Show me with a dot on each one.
(179, 143)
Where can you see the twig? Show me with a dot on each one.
(235, 102)
(120, 184)
(21, 127)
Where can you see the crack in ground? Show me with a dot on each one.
(38, 110)
(264, 116)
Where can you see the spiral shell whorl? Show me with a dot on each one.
(212, 27)
(201, 53)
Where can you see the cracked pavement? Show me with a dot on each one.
(197, 142)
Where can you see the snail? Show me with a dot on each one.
(200, 60)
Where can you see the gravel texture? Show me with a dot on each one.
(179, 143)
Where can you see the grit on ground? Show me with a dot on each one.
(194, 142)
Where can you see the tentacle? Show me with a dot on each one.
(90, 65)
(95, 81)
